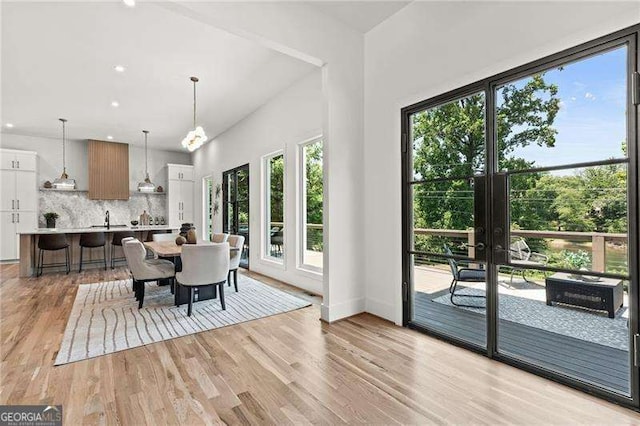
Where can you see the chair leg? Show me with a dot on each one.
(513, 270)
(39, 264)
(141, 294)
(190, 301)
(81, 253)
(113, 248)
(229, 278)
(235, 279)
(224, 307)
(104, 249)
(67, 260)
(215, 291)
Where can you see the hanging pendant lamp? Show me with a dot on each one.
(147, 185)
(196, 137)
(63, 182)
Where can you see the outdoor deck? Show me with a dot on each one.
(587, 361)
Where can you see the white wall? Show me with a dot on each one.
(301, 31)
(427, 49)
(50, 160)
(291, 117)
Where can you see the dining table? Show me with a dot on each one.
(171, 250)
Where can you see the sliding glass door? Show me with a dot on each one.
(520, 226)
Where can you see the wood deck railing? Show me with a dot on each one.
(598, 240)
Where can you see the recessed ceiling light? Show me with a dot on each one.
(9, 125)
(110, 137)
(129, 3)
(119, 68)
(115, 104)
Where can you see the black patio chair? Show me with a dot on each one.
(464, 274)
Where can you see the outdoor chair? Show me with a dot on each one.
(464, 275)
(521, 253)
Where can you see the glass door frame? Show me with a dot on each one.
(225, 205)
(626, 37)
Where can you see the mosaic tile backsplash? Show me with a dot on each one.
(78, 211)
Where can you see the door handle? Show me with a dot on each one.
(13, 204)
(479, 246)
(18, 215)
(13, 218)
(18, 204)
(13, 164)
(18, 162)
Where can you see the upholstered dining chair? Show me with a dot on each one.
(143, 270)
(219, 238)
(204, 265)
(236, 241)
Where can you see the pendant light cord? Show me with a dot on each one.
(64, 143)
(146, 168)
(194, 103)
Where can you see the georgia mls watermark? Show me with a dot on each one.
(30, 415)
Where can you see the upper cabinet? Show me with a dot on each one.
(108, 170)
(180, 172)
(18, 160)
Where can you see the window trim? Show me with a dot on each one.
(265, 177)
(301, 192)
(208, 231)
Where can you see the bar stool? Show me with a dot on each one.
(93, 240)
(52, 242)
(117, 241)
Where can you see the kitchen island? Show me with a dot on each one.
(29, 244)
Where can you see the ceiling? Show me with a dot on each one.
(360, 15)
(58, 61)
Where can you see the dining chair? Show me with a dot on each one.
(143, 270)
(236, 241)
(204, 265)
(219, 238)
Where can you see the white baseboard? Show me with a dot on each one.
(381, 309)
(342, 310)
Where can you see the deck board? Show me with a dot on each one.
(597, 364)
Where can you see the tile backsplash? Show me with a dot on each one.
(76, 210)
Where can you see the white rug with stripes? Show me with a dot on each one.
(105, 316)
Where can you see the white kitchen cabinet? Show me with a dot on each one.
(18, 160)
(180, 194)
(18, 198)
(180, 172)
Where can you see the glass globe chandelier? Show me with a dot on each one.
(196, 137)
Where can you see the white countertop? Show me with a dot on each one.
(42, 231)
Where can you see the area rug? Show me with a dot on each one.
(591, 326)
(105, 316)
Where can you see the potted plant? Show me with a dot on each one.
(51, 217)
(576, 260)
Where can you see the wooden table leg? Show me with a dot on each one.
(27, 247)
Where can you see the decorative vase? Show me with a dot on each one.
(51, 223)
(192, 238)
(185, 228)
(47, 184)
(180, 240)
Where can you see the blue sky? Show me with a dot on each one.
(591, 122)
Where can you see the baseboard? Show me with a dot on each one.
(342, 310)
(381, 309)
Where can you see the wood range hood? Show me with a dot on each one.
(108, 170)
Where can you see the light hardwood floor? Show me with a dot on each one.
(286, 369)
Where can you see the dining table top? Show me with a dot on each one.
(171, 249)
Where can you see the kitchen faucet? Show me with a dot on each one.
(107, 222)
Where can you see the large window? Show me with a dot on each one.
(274, 221)
(310, 201)
(209, 207)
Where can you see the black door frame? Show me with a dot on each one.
(628, 37)
(225, 206)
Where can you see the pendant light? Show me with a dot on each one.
(146, 186)
(196, 137)
(63, 182)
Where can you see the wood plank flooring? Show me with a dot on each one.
(598, 364)
(286, 369)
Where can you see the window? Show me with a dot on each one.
(311, 202)
(274, 222)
